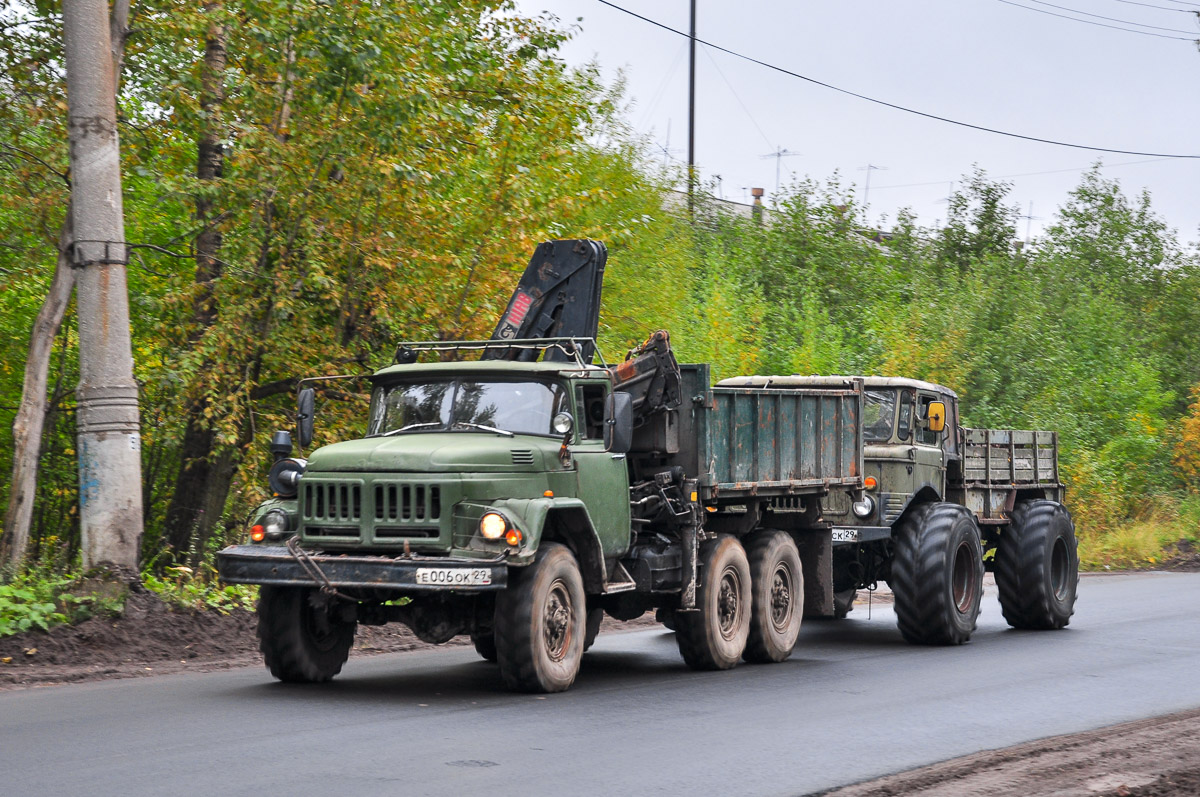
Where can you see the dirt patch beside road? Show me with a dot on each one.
(151, 638)
(1157, 757)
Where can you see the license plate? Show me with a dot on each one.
(454, 576)
(845, 535)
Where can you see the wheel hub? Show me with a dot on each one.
(963, 579)
(781, 598)
(556, 621)
(729, 603)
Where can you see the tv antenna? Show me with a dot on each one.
(779, 154)
(870, 167)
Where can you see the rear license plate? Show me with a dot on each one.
(454, 576)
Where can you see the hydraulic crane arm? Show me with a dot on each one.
(558, 297)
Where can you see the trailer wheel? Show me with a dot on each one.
(777, 597)
(937, 574)
(300, 638)
(541, 623)
(714, 637)
(1037, 566)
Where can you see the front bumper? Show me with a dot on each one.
(274, 565)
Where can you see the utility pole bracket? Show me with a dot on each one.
(103, 253)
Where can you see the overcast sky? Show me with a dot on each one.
(991, 63)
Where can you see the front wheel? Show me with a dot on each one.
(1037, 566)
(777, 602)
(541, 623)
(937, 574)
(301, 638)
(714, 636)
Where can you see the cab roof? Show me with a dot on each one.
(488, 367)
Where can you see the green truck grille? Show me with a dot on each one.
(367, 509)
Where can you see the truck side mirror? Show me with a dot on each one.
(304, 416)
(937, 416)
(618, 422)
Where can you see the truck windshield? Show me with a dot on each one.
(879, 413)
(466, 405)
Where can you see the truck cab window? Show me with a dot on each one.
(924, 436)
(904, 425)
(591, 411)
(879, 414)
(520, 407)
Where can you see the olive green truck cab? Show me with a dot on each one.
(519, 501)
(943, 504)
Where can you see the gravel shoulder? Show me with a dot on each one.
(1147, 758)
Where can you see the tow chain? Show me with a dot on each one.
(313, 570)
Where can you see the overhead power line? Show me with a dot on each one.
(1099, 24)
(1027, 174)
(1160, 8)
(887, 104)
(1110, 19)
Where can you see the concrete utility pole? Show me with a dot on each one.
(109, 446)
(691, 166)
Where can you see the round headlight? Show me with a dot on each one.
(865, 507)
(275, 524)
(563, 423)
(492, 526)
(284, 477)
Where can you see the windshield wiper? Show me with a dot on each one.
(410, 426)
(481, 426)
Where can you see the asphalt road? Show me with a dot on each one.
(853, 702)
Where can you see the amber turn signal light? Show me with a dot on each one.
(870, 483)
(257, 533)
(513, 537)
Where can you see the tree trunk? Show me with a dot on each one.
(204, 474)
(31, 415)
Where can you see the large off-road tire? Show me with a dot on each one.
(300, 638)
(714, 637)
(541, 623)
(1037, 566)
(777, 596)
(937, 574)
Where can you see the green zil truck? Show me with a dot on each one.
(521, 496)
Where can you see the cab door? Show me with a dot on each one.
(929, 460)
(602, 477)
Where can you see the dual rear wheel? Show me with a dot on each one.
(749, 603)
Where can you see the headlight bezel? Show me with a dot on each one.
(493, 526)
(863, 509)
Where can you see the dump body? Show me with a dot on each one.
(764, 442)
(760, 443)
